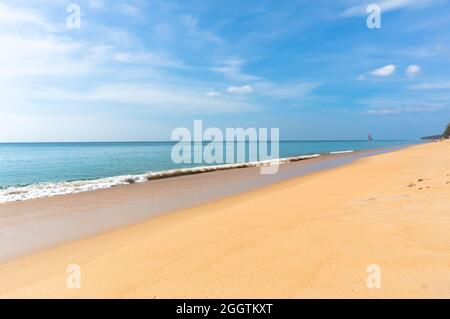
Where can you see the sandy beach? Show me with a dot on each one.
(304, 237)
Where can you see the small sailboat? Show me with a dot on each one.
(370, 138)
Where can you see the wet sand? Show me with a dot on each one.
(310, 236)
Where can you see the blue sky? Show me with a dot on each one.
(137, 69)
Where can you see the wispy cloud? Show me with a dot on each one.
(96, 4)
(147, 58)
(35, 46)
(132, 58)
(232, 69)
(194, 30)
(396, 111)
(284, 90)
(443, 85)
(47, 53)
(152, 96)
(406, 103)
(386, 6)
(19, 18)
(213, 93)
(129, 9)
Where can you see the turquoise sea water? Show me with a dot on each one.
(31, 163)
(33, 170)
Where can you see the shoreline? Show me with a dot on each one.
(23, 223)
(311, 236)
(92, 185)
(24, 192)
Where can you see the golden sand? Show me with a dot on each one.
(311, 236)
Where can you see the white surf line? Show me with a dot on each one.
(342, 152)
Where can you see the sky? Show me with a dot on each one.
(135, 70)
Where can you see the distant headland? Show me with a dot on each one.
(445, 135)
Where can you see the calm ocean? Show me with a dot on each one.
(31, 170)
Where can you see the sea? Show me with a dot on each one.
(35, 170)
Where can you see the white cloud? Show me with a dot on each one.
(232, 70)
(386, 6)
(361, 77)
(387, 70)
(413, 70)
(246, 89)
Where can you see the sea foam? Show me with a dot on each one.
(342, 152)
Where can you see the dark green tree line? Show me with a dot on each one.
(446, 133)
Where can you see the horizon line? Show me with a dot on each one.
(177, 141)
